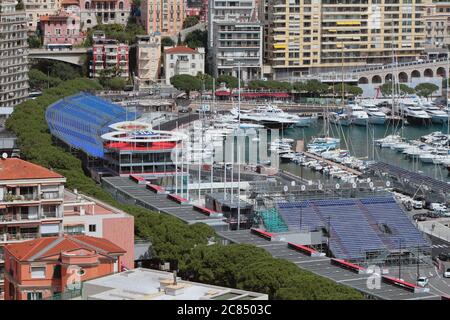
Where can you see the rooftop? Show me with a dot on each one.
(49, 246)
(147, 284)
(180, 49)
(17, 169)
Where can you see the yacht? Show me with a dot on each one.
(358, 115)
(323, 143)
(376, 116)
(437, 115)
(268, 115)
(343, 118)
(415, 114)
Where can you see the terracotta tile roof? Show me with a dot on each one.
(67, 2)
(16, 169)
(40, 248)
(180, 49)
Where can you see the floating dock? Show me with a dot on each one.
(332, 163)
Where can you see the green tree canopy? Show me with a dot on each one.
(40, 81)
(196, 39)
(34, 41)
(312, 87)
(270, 85)
(167, 42)
(426, 89)
(186, 83)
(230, 81)
(190, 21)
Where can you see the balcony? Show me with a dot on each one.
(6, 237)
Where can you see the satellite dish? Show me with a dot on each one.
(368, 180)
(293, 183)
(4, 155)
(320, 187)
(388, 183)
(354, 185)
(303, 187)
(371, 184)
(285, 188)
(337, 186)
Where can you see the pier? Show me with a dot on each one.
(332, 163)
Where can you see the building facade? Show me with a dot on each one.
(310, 36)
(162, 16)
(148, 60)
(40, 268)
(111, 57)
(93, 12)
(437, 24)
(61, 28)
(236, 38)
(13, 56)
(31, 203)
(35, 9)
(183, 60)
(88, 216)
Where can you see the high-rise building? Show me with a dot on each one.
(148, 59)
(308, 36)
(437, 24)
(235, 38)
(13, 56)
(166, 17)
(35, 9)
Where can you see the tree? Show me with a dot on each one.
(190, 21)
(206, 80)
(186, 83)
(167, 42)
(20, 5)
(34, 41)
(313, 87)
(196, 39)
(230, 81)
(180, 42)
(116, 84)
(63, 71)
(353, 90)
(40, 81)
(426, 89)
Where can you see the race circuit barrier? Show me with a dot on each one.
(208, 212)
(445, 297)
(306, 250)
(262, 233)
(405, 285)
(178, 199)
(156, 189)
(138, 179)
(347, 265)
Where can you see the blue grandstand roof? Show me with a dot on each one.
(81, 119)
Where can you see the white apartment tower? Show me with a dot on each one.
(236, 38)
(13, 56)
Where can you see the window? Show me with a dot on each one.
(86, 5)
(38, 272)
(121, 5)
(92, 227)
(57, 271)
(34, 295)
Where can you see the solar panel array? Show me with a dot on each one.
(413, 177)
(357, 225)
(81, 119)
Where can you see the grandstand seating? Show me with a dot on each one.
(272, 221)
(81, 119)
(355, 224)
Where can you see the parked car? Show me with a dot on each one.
(420, 217)
(443, 256)
(422, 281)
(447, 273)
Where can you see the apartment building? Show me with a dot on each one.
(310, 36)
(104, 11)
(13, 56)
(31, 203)
(41, 268)
(62, 27)
(88, 216)
(148, 60)
(109, 56)
(183, 60)
(35, 9)
(236, 38)
(163, 16)
(437, 24)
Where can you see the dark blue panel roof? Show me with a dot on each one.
(81, 119)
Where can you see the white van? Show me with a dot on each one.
(447, 273)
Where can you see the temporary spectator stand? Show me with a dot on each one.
(263, 234)
(347, 265)
(138, 179)
(156, 189)
(406, 285)
(178, 199)
(306, 250)
(208, 212)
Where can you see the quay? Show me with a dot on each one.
(332, 163)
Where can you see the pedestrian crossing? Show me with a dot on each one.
(440, 246)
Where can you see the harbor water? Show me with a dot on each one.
(359, 140)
